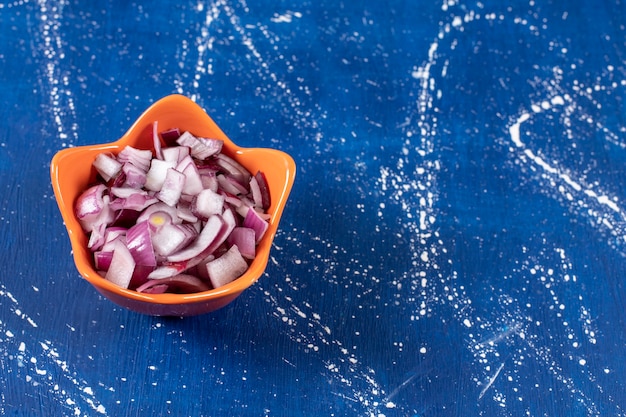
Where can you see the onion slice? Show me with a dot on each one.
(156, 142)
(228, 267)
(244, 239)
(92, 208)
(138, 157)
(139, 243)
(265, 190)
(208, 234)
(107, 166)
(182, 283)
(122, 265)
(254, 221)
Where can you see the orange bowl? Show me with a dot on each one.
(71, 172)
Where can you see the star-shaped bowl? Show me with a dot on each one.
(71, 172)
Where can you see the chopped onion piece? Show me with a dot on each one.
(201, 148)
(265, 190)
(125, 192)
(134, 177)
(107, 166)
(112, 236)
(208, 176)
(102, 260)
(156, 142)
(234, 168)
(122, 265)
(193, 181)
(255, 189)
(97, 237)
(170, 136)
(135, 201)
(207, 203)
(244, 239)
(168, 270)
(157, 173)
(182, 283)
(231, 185)
(139, 243)
(228, 267)
(158, 219)
(208, 234)
(175, 154)
(92, 208)
(159, 206)
(172, 187)
(155, 289)
(185, 214)
(140, 275)
(171, 238)
(138, 157)
(233, 200)
(254, 221)
(229, 224)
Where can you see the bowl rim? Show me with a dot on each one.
(184, 105)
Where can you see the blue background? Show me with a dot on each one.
(455, 240)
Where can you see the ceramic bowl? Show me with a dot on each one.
(71, 172)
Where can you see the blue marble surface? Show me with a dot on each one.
(454, 245)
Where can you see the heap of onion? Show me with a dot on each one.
(184, 219)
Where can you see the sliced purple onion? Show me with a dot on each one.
(232, 200)
(265, 190)
(139, 243)
(122, 265)
(193, 180)
(140, 276)
(228, 267)
(156, 142)
(183, 210)
(161, 207)
(201, 148)
(125, 218)
(233, 168)
(172, 187)
(97, 237)
(204, 240)
(111, 235)
(208, 176)
(182, 283)
(229, 224)
(212, 146)
(244, 238)
(138, 157)
(169, 136)
(157, 173)
(255, 190)
(171, 238)
(231, 185)
(134, 177)
(92, 208)
(175, 154)
(207, 203)
(155, 289)
(102, 260)
(136, 201)
(189, 211)
(170, 269)
(255, 222)
(107, 166)
(125, 192)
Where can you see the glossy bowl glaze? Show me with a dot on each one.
(71, 172)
